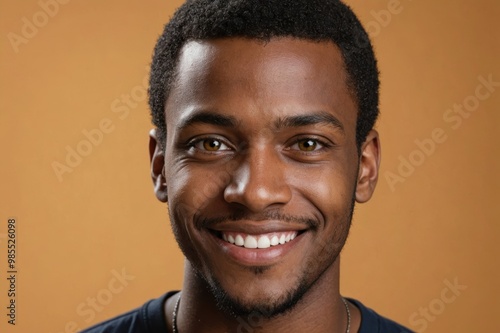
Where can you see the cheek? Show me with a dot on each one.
(192, 189)
(181, 203)
(192, 192)
(196, 188)
(185, 200)
(178, 188)
(330, 189)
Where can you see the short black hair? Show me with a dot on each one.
(316, 20)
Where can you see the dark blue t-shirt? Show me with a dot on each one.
(150, 319)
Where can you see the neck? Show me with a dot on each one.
(320, 310)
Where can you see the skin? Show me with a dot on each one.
(274, 148)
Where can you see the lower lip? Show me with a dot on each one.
(257, 257)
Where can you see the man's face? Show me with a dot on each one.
(261, 166)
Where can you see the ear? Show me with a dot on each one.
(369, 163)
(157, 160)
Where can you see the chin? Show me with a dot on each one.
(262, 299)
(266, 304)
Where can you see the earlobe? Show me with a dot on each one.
(157, 160)
(369, 163)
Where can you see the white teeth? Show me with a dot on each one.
(261, 242)
(239, 241)
(264, 242)
(282, 239)
(250, 242)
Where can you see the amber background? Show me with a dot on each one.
(441, 223)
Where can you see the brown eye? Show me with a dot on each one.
(307, 145)
(211, 145)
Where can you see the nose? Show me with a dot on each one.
(259, 181)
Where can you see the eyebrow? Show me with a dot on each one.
(318, 118)
(212, 118)
(207, 117)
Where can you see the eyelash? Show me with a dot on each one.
(192, 144)
(323, 143)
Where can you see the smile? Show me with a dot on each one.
(262, 241)
(251, 243)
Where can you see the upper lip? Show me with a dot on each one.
(257, 227)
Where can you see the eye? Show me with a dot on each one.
(307, 145)
(209, 145)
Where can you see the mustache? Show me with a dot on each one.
(202, 222)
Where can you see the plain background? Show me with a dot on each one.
(436, 224)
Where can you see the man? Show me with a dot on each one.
(264, 140)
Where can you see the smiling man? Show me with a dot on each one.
(264, 141)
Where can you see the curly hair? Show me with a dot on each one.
(316, 20)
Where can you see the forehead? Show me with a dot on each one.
(274, 77)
